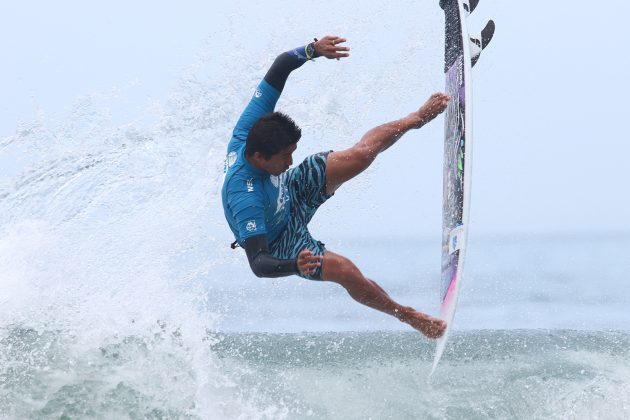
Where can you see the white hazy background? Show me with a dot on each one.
(551, 96)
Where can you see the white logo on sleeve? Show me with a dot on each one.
(250, 185)
(231, 158)
(258, 93)
(251, 226)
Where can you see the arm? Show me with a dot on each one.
(286, 62)
(270, 88)
(263, 264)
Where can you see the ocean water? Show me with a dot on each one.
(537, 374)
(120, 298)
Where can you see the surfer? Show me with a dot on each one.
(268, 206)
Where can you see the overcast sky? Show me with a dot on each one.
(550, 95)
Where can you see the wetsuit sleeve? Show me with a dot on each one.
(247, 205)
(268, 91)
(262, 263)
(288, 61)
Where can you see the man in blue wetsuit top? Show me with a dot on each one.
(268, 206)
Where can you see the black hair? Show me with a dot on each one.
(272, 133)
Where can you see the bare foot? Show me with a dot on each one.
(427, 325)
(434, 106)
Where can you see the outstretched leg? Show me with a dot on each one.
(346, 164)
(341, 270)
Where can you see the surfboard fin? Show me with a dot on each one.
(479, 42)
(470, 6)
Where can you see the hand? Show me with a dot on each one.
(307, 262)
(329, 47)
(435, 105)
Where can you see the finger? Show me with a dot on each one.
(306, 257)
(338, 39)
(312, 266)
(335, 48)
(313, 263)
(335, 44)
(308, 270)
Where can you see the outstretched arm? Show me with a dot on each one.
(269, 90)
(288, 61)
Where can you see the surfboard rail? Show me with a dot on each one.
(457, 163)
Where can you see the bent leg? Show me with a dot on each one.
(341, 270)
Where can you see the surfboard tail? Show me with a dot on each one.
(447, 313)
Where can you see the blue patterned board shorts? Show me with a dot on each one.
(307, 191)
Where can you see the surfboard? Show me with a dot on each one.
(458, 62)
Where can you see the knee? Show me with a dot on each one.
(363, 154)
(346, 270)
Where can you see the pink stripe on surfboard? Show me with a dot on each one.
(449, 296)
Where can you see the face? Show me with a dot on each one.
(279, 162)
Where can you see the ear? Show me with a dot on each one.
(258, 157)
